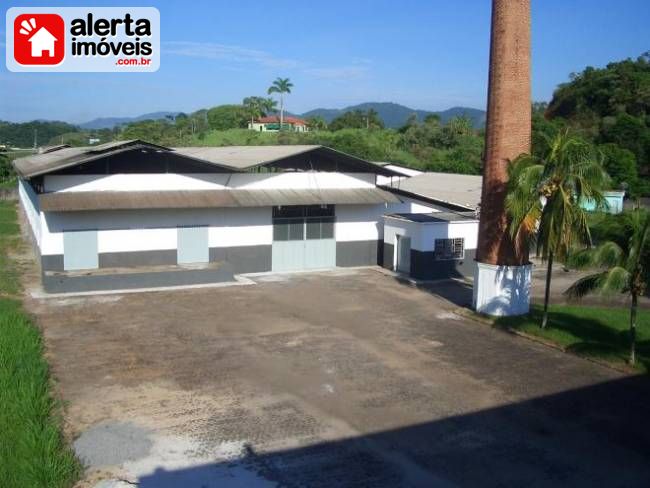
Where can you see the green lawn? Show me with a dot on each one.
(32, 450)
(589, 331)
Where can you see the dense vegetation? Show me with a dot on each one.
(607, 107)
(32, 451)
(610, 107)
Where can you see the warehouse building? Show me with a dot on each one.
(131, 214)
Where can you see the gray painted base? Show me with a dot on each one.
(60, 283)
(357, 253)
(387, 262)
(425, 267)
(243, 259)
(137, 258)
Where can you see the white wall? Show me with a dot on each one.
(121, 231)
(29, 201)
(140, 230)
(208, 181)
(424, 234)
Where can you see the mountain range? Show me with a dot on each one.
(110, 122)
(394, 115)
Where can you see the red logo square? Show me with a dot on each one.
(39, 39)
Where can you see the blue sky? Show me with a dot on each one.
(427, 54)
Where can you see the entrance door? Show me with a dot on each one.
(404, 254)
(303, 238)
(193, 245)
(80, 250)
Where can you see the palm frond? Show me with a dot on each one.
(585, 286)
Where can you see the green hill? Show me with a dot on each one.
(395, 115)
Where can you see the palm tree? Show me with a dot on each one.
(281, 86)
(624, 268)
(254, 107)
(544, 197)
(269, 105)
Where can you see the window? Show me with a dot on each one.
(449, 249)
(296, 211)
(320, 228)
(298, 222)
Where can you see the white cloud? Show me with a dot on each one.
(242, 55)
(238, 54)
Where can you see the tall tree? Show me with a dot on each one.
(253, 106)
(623, 269)
(281, 86)
(545, 195)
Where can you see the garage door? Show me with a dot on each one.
(193, 245)
(303, 239)
(80, 250)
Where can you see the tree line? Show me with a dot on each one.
(608, 108)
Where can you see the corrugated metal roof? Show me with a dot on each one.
(450, 188)
(122, 200)
(237, 158)
(436, 217)
(38, 164)
(243, 157)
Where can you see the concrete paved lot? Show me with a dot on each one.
(345, 378)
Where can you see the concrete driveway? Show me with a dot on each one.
(344, 378)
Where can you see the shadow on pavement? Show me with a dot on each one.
(593, 436)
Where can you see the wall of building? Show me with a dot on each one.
(208, 181)
(241, 235)
(423, 235)
(29, 202)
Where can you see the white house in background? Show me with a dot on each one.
(42, 41)
(271, 123)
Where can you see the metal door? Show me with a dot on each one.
(300, 244)
(80, 250)
(193, 245)
(404, 254)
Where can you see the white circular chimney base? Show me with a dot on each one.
(502, 290)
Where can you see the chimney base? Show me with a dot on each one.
(502, 290)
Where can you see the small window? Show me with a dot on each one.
(449, 249)
(320, 228)
(297, 211)
(327, 228)
(281, 230)
(296, 230)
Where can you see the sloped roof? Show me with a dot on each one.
(243, 157)
(446, 188)
(275, 119)
(121, 200)
(59, 157)
(236, 158)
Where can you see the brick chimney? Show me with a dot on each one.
(502, 278)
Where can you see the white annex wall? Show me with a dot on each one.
(423, 235)
(29, 202)
(122, 231)
(207, 181)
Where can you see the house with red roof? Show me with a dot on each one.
(271, 123)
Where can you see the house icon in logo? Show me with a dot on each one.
(39, 39)
(42, 41)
